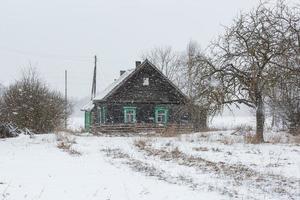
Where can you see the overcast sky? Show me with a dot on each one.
(54, 35)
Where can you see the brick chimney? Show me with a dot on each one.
(137, 63)
(122, 72)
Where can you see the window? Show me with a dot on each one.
(87, 120)
(161, 115)
(129, 114)
(101, 117)
(145, 81)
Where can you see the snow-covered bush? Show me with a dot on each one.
(29, 103)
(65, 137)
(11, 130)
(8, 130)
(66, 141)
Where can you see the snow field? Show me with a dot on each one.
(192, 166)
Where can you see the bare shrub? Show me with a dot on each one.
(141, 144)
(216, 150)
(170, 131)
(230, 139)
(209, 129)
(248, 134)
(250, 139)
(73, 151)
(78, 131)
(30, 103)
(65, 137)
(297, 139)
(296, 131)
(176, 152)
(244, 129)
(200, 149)
(65, 142)
(202, 135)
(279, 137)
(63, 145)
(274, 139)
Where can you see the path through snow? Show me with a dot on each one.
(37, 169)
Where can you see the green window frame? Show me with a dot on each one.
(129, 114)
(102, 111)
(161, 115)
(87, 120)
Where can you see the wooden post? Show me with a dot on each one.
(66, 98)
(94, 80)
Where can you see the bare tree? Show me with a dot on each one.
(2, 89)
(284, 97)
(166, 59)
(284, 102)
(257, 43)
(186, 70)
(29, 103)
(200, 91)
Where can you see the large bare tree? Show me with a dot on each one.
(166, 59)
(257, 43)
(186, 70)
(201, 92)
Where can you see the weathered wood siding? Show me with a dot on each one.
(145, 98)
(159, 89)
(144, 112)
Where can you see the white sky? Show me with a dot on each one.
(54, 35)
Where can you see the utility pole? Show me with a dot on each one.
(94, 79)
(66, 97)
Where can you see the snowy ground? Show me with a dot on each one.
(219, 122)
(76, 123)
(211, 165)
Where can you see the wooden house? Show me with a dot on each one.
(141, 99)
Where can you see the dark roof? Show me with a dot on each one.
(102, 96)
(127, 75)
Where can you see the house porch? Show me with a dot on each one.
(141, 128)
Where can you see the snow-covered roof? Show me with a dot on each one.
(113, 85)
(118, 82)
(88, 107)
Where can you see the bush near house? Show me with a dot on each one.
(29, 103)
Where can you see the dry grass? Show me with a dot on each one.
(200, 149)
(297, 139)
(244, 129)
(227, 140)
(176, 152)
(73, 151)
(240, 174)
(216, 150)
(170, 131)
(275, 139)
(63, 145)
(209, 129)
(65, 142)
(243, 134)
(65, 137)
(202, 135)
(141, 144)
(71, 131)
(230, 139)
(250, 139)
